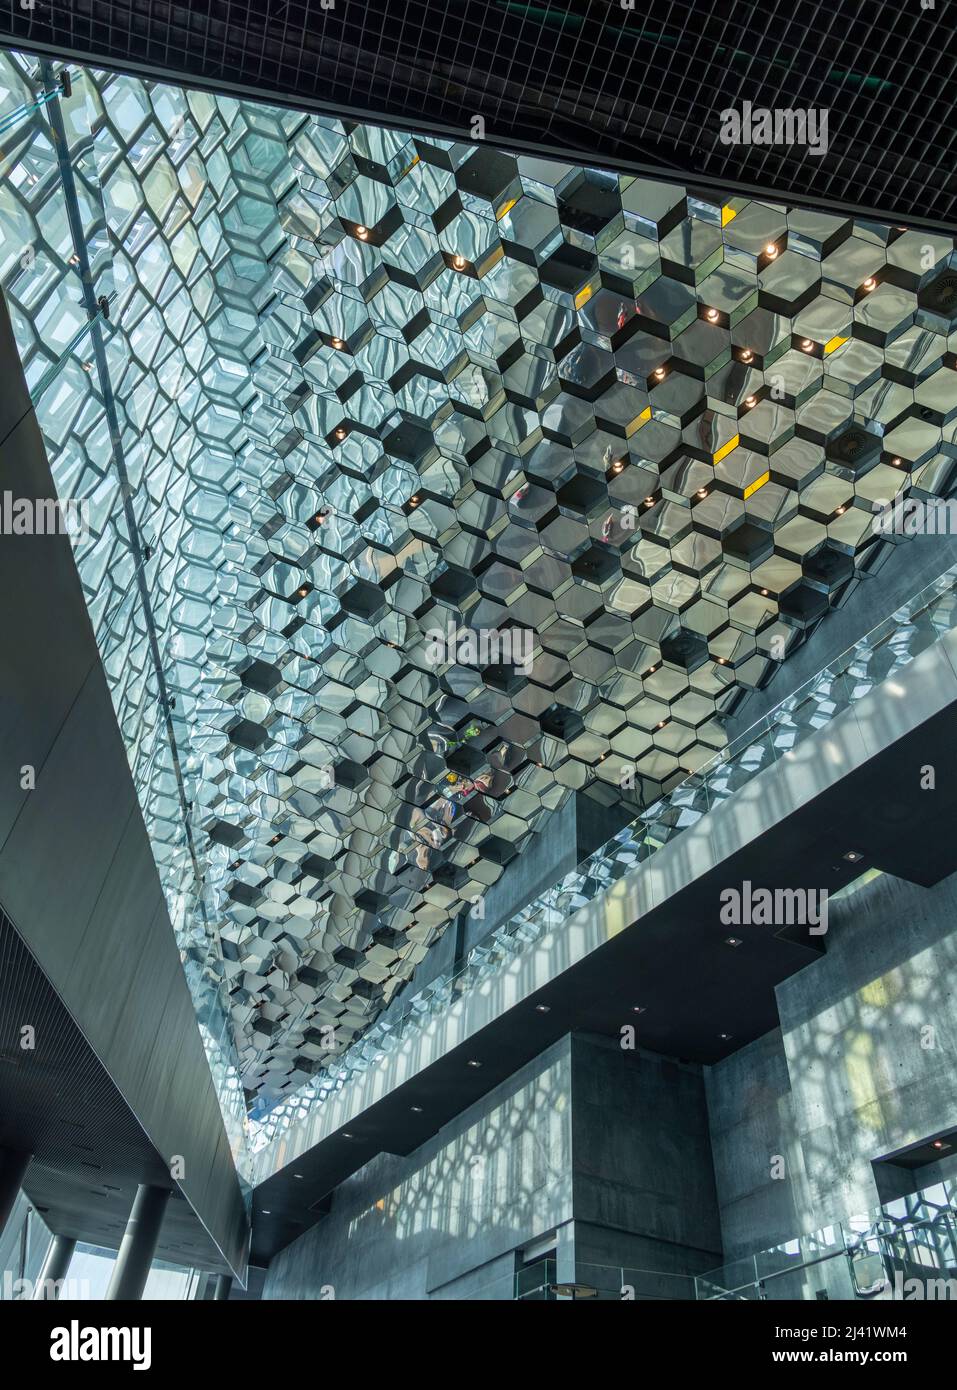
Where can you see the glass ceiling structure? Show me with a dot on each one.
(327, 390)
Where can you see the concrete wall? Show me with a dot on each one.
(849, 1077)
(607, 1149)
(444, 1221)
(644, 1190)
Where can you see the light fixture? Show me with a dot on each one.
(340, 433)
(618, 465)
(732, 941)
(348, 1136)
(869, 284)
(807, 345)
(747, 355)
(416, 1109)
(895, 463)
(702, 492)
(264, 1212)
(638, 1009)
(660, 373)
(298, 1176)
(473, 1063)
(414, 501)
(722, 661)
(543, 1008)
(852, 856)
(338, 343)
(711, 315)
(362, 233)
(725, 1036)
(751, 401)
(771, 251)
(840, 511)
(302, 592)
(649, 501)
(459, 262)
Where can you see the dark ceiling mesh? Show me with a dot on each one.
(641, 87)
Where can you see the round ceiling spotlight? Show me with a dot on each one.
(771, 251)
(459, 262)
(362, 232)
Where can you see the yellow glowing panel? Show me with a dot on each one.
(507, 208)
(725, 449)
(583, 296)
(645, 416)
(748, 491)
(833, 344)
(727, 215)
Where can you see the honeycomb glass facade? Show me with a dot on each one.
(426, 486)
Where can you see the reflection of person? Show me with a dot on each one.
(429, 833)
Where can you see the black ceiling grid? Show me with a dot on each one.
(638, 88)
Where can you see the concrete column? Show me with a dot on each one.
(224, 1282)
(13, 1166)
(135, 1255)
(55, 1267)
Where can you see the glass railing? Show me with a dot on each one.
(539, 1282)
(889, 647)
(912, 1238)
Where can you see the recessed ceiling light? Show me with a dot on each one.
(725, 1036)
(298, 1176)
(362, 233)
(807, 345)
(638, 1009)
(771, 251)
(348, 1136)
(264, 1212)
(416, 1109)
(472, 1062)
(543, 1008)
(747, 355)
(711, 315)
(732, 941)
(869, 284)
(459, 262)
(852, 856)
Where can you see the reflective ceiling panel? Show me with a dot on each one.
(445, 483)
